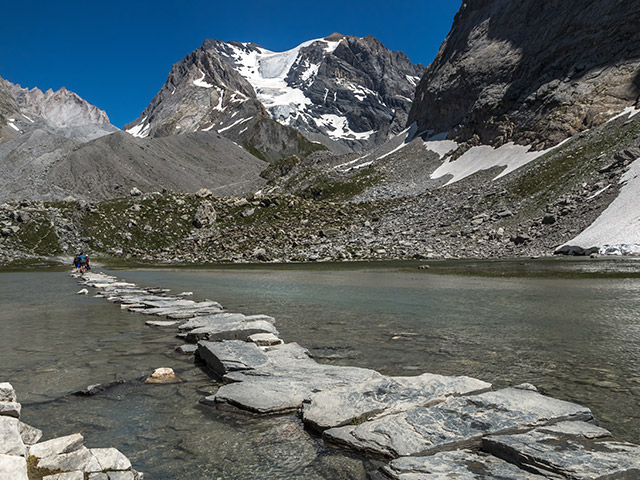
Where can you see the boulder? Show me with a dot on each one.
(204, 193)
(205, 215)
(462, 464)
(163, 375)
(13, 467)
(57, 446)
(384, 395)
(10, 440)
(135, 192)
(265, 339)
(10, 409)
(30, 435)
(230, 356)
(570, 450)
(7, 393)
(456, 423)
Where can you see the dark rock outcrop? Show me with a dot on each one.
(533, 72)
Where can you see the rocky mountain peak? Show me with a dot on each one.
(61, 108)
(509, 71)
(347, 92)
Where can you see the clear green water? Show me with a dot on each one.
(576, 338)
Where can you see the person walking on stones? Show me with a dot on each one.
(81, 261)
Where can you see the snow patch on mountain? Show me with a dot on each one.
(617, 230)
(339, 127)
(201, 83)
(484, 157)
(141, 130)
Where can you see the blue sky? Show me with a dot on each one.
(117, 54)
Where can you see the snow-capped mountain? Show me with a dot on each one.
(347, 92)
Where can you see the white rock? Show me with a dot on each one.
(10, 409)
(10, 440)
(84, 291)
(13, 467)
(265, 339)
(7, 393)
(57, 446)
(77, 475)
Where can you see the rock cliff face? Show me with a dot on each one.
(62, 113)
(532, 72)
(349, 93)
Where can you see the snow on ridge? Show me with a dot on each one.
(630, 111)
(140, 130)
(200, 82)
(238, 122)
(339, 128)
(617, 230)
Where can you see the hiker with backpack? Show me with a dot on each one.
(81, 262)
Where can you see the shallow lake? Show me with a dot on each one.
(570, 328)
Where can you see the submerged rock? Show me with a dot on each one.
(456, 423)
(97, 388)
(462, 464)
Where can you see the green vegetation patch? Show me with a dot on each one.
(326, 188)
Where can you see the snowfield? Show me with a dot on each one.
(617, 230)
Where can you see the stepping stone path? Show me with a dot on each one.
(429, 426)
(64, 458)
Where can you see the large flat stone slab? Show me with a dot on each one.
(226, 326)
(289, 378)
(459, 464)
(87, 460)
(385, 395)
(575, 450)
(456, 423)
(230, 356)
(13, 467)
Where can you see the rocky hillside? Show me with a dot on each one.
(533, 72)
(345, 215)
(347, 92)
(55, 145)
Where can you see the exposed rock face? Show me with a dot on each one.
(347, 92)
(61, 108)
(61, 113)
(533, 72)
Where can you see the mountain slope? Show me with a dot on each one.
(349, 93)
(533, 72)
(111, 165)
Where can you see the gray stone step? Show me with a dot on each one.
(456, 423)
(575, 450)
